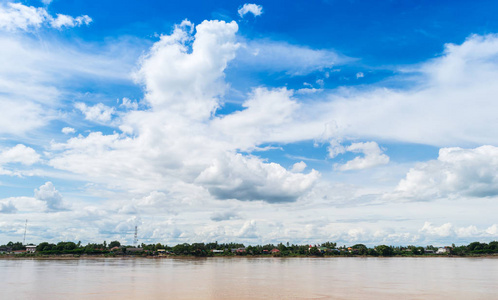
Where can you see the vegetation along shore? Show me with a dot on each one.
(115, 249)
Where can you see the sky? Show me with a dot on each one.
(348, 121)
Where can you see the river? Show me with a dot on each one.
(251, 278)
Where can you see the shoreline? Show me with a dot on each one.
(130, 257)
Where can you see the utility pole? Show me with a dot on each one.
(25, 228)
(135, 240)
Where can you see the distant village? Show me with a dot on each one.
(115, 249)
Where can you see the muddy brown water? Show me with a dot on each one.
(251, 278)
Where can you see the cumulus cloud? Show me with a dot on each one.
(16, 16)
(254, 9)
(97, 113)
(188, 81)
(456, 172)
(129, 104)
(298, 167)
(154, 199)
(179, 151)
(19, 154)
(372, 156)
(48, 194)
(178, 143)
(7, 208)
(335, 148)
(249, 178)
(68, 21)
(224, 216)
(263, 120)
(248, 230)
(492, 230)
(444, 230)
(448, 230)
(68, 130)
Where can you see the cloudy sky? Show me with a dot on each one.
(276, 121)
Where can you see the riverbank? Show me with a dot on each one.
(130, 257)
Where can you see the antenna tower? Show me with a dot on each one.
(135, 240)
(25, 227)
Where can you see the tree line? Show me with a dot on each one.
(231, 249)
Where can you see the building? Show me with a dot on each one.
(443, 250)
(5, 250)
(30, 249)
(238, 250)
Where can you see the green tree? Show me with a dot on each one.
(360, 249)
(329, 245)
(69, 246)
(384, 250)
(114, 244)
(16, 246)
(315, 252)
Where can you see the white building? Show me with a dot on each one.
(443, 250)
(31, 249)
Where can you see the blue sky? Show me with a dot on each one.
(349, 121)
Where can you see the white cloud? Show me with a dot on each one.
(248, 230)
(335, 148)
(68, 130)
(68, 21)
(177, 144)
(360, 75)
(298, 167)
(129, 104)
(97, 113)
(277, 56)
(48, 194)
(450, 231)
(16, 16)
(189, 83)
(492, 230)
(308, 91)
(264, 119)
(34, 78)
(19, 154)
(462, 78)
(7, 208)
(255, 9)
(224, 216)
(249, 178)
(457, 172)
(444, 230)
(178, 154)
(372, 156)
(154, 199)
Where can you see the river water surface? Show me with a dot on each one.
(251, 278)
